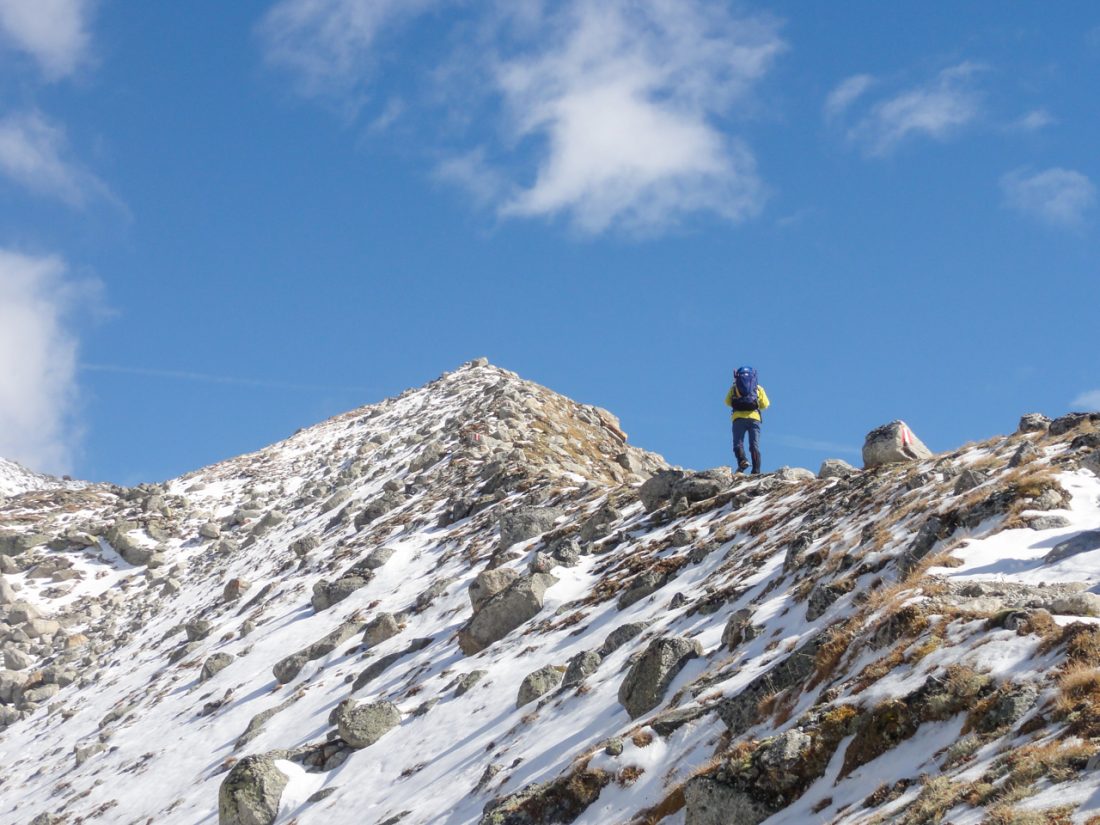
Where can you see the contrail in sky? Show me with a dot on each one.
(218, 379)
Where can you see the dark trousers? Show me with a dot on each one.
(741, 428)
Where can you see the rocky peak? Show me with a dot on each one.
(482, 605)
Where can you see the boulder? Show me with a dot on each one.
(891, 444)
(600, 523)
(620, 636)
(210, 530)
(286, 669)
(250, 792)
(381, 627)
(378, 507)
(214, 665)
(1033, 423)
(504, 612)
(668, 486)
(645, 584)
(534, 685)
(327, 593)
(468, 680)
(836, 468)
(490, 582)
(16, 544)
(1026, 453)
(739, 628)
(16, 659)
(234, 589)
(580, 667)
(7, 592)
(361, 725)
(793, 475)
(968, 479)
(1071, 421)
(198, 630)
(649, 677)
(709, 802)
(525, 523)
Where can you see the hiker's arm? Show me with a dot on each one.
(762, 398)
(729, 397)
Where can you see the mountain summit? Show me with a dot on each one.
(477, 603)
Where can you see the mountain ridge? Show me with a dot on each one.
(554, 627)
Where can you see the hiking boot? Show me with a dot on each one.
(742, 466)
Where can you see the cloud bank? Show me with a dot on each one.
(38, 353)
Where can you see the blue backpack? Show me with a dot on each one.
(744, 399)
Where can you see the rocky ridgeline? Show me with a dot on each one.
(477, 603)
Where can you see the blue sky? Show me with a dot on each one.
(221, 222)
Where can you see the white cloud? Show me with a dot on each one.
(845, 93)
(1032, 121)
(38, 360)
(605, 112)
(34, 153)
(623, 98)
(53, 32)
(938, 109)
(1059, 197)
(1087, 401)
(329, 45)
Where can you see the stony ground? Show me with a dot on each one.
(475, 603)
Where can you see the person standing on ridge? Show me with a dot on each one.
(746, 398)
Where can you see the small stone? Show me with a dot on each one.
(215, 664)
(234, 589)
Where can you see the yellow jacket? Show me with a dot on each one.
(761, 399)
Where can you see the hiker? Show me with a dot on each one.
(746, 398)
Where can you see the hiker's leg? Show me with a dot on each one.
(739, 431)
(754, 443)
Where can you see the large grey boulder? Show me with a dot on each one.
(490, 582)
(645, 684)
(891, 444)
(1033, 423)
(836, 468)
(504, 612)
(286, 669)
(250, 792)
(668, 486)
(536, 684)
(524, 523)
(361, 725)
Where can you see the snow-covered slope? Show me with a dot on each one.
(16, 479)
(909, 644)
